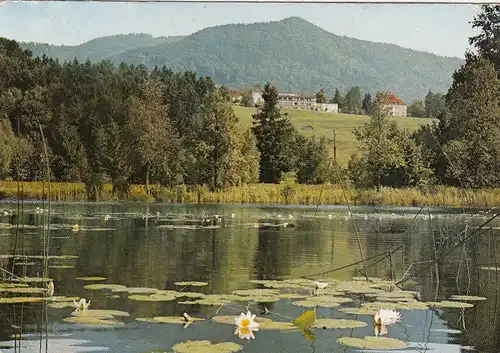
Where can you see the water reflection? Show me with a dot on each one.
(140, 251)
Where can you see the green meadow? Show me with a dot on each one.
(322, 124)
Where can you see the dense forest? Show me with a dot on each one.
(97, 122)
(293, 54)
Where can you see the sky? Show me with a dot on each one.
(440, 29)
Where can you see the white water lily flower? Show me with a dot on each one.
(83, 304)
(246, 325)
(386, 317)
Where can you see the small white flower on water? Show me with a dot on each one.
(290, 216)
(50, 288)
(246, 325)
(233, 215)
(386, 317)
(320, 285)
(83, 304)
(107, 217)
(76, 227)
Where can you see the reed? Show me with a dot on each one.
(269, 194)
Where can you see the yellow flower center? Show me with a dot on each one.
(245, 331)
(245, 322)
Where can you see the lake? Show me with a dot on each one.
(227, 246)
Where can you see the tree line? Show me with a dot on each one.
(123, 124)
(462, 147)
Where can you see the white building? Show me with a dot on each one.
(395, 106)
(288, 100)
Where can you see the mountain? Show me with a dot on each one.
(99, 48)
(293, 54)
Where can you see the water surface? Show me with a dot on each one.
(141, 245)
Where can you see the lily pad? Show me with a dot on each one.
(17, 300)
(370, 342)
(450, 305)
(91, 320)
(91, 278)
(152, 298)
(191, 284)
(467, 298)
(263, 299)
(173, 319)
(276, 325)
(256, 292)
(228, 319)
(206, 347)
(23, 290)
(61, 299)
(292, 296)
(187, 295)
(313, 303)
(338, 323)
(32, 279)
(416, 305)
(61, 305)
(135, 290)
(104, 286)
(359, 311)
(204, 301)
(61, 267)
(102, 313)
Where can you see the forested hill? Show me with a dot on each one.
(99, 48)
(292, 53)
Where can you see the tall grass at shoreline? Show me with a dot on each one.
(268, 194)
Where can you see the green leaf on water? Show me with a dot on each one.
(450, 305)
(467, 298)
(17, 300)
(338, 324)
(306, 320)
(370, 342)
(91, 278)
(191, 284)
(206, 347)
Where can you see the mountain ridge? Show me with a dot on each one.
(293, 54)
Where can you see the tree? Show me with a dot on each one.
(275, 137)
(314, 163)
(366, 103)
(353, 101)
(487, 42)
(434, 105)
(321, 96)
(378, 149)
(247, 98)
(153, 139)
(218, 138)
(473, 124)
(416, 109)
(7, 147)
(338, 99)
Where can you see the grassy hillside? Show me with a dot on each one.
(323, 124)
(292, 53)
(99, 48)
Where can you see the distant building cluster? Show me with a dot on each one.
(290, 100)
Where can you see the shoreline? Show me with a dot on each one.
(266, 194)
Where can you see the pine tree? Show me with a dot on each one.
(275, 138)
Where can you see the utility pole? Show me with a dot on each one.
(334, 146)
